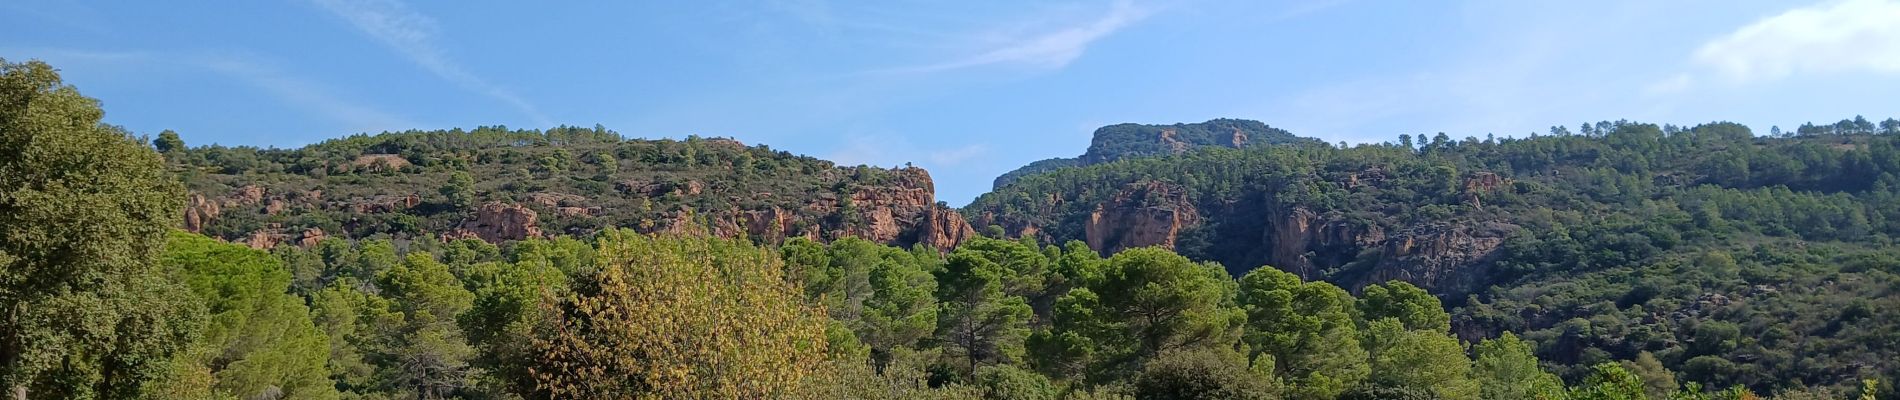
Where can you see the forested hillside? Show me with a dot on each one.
(1727, 257)
(1628, 262)
(499, 184)
(1121, 141)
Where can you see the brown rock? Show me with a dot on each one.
(244, 196)
(1142, 214)
(1176, 145)
(311, 237)
(274, 206)
(944, 229)
(199, 212)
(499, 222)
(266, 238)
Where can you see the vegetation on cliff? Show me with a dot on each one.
(1731, 258)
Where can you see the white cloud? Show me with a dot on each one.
(413, 35)
(1836, 36)
(1050, 50)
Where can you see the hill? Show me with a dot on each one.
(1733, 258)
(499, 184)
(1122, 141)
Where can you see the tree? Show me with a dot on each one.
(260, 339)
(424, 353)
(1424, 360)
(460, 190)
(1202, 374)
(168, 142)
(1658, 381)
(1006, 382)
(85, 308)
(977, 321)
(1506, 369)
(1308, 330)
(1148, 301)
(1608, 381)
(1410, 305)
(679, 317)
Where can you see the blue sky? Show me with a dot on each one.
(967, 89)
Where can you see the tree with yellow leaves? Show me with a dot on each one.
(679, 318)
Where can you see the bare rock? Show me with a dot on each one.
(1142, 214)
(500, 222)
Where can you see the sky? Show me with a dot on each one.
(966, 89)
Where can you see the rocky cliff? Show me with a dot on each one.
(1142, 214)
(696, 186)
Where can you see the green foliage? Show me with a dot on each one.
(260, 338)
(1148, 301)
(1506, 369)
(1204, 374)
(1414, 308)
(978, 321)
(1419, 359)
(1609, 381)
(1308, 330)
(86, 310)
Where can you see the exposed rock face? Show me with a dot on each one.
(199, 212)
(903, 212)
(264, 239)
(499, 222)
(1480, 184)
(944, 229)
(1294, 234)
(1173, 145)
(1444, 257)
(1141, 214)
(311, 237)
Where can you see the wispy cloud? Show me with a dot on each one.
(414, 36)
(1048, 50)
(1835, 36)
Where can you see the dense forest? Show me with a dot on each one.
(1725, 257)
(1638, 262)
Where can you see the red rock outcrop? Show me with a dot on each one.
(1142, 214)
(944, 229)
(199, 212)
(1175, 145)
(311, 237)
(499, 222)
(1293, 234)
(1447, 257)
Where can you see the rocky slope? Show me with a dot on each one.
(531, 184)
(1123, 141)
